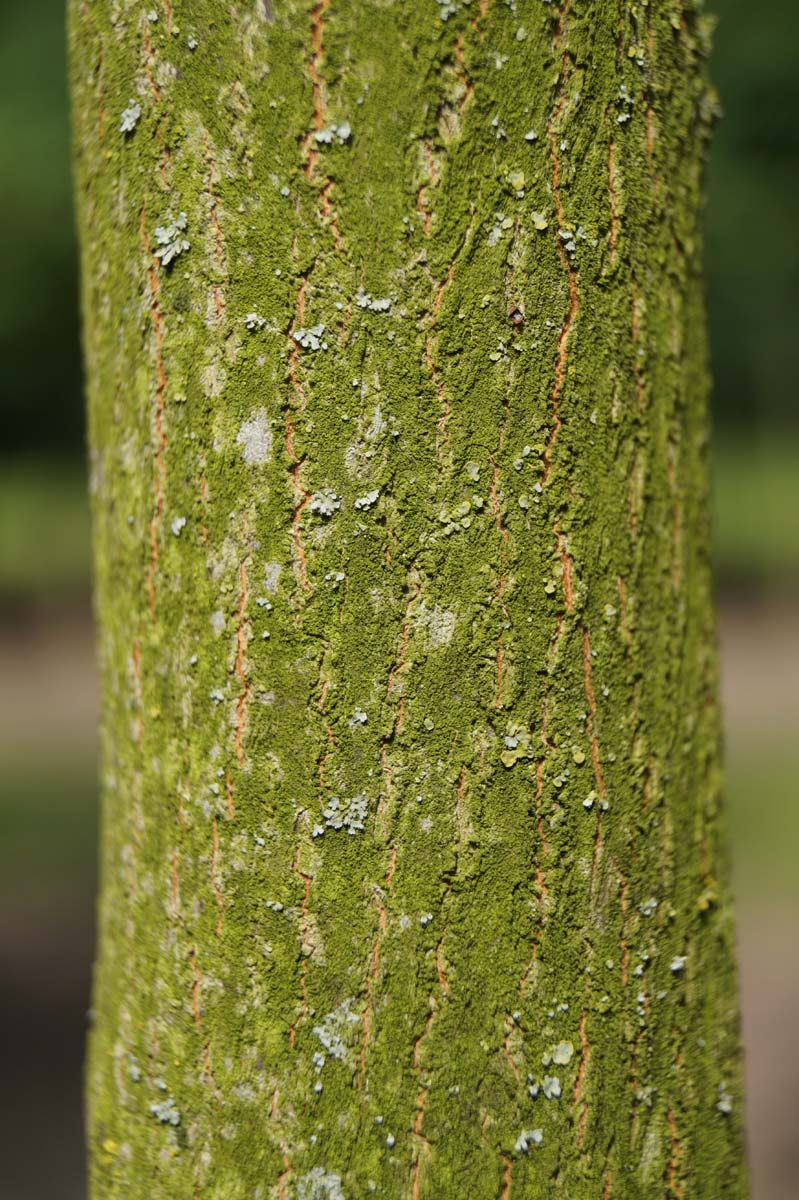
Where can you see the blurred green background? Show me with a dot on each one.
(48, 698)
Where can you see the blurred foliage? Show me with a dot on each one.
(40, 378)
(752, 258)
(44, 527)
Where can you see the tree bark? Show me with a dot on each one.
(414, 875)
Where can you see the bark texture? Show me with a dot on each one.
(413, 861)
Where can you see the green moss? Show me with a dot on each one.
(465, 932)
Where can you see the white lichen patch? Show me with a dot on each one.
(528, 1138)
(130, 117)
(255, 439)
(333, 132)
(344, 814)
(218, 622)
(177, 525)
(311, 338)
(324, 503)
(724, 1104)
(364, 502)
(166, 1111)
(253, 322)
(319, 1184)
(170, 238)
(551, 1087)
(335, 1032)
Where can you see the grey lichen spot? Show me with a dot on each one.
(358, 717)
(438, 623)
(348, 814)
(364, 502)
(678, 963)
(130, 117)
(518, 744)
(446, 9)
(625, 102)
(218, 621)
(319, 1184)
(528, 1138)
(364, 300)
(253, 322)
(724, 1104)
(311, 338)
(212, 378)
(271, 576)
(255, 439)
(562, 1053)
(335, 1030)
(340, 133)
(551, 1087)
(170, 238)
(166, 1111)
(178, 524)
(324, 503)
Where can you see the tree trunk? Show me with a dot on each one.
(413, 863)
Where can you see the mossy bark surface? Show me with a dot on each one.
(413, 860)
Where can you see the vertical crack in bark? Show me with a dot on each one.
(196, 988)
(135, 659)
(241, 664)
(148, 59)
(287, 1168)
(421, 195)
(579, 1103)
(413, 586)
(157, 320)
(463, 74)
(540, 878)
(442, 437)
(309, 151)
(675, 1153)
(614, 202)
(214, 876)
(301, 493)
(502, 528)
(304, 911)
(217, 291)
(374, 969)
(507, 1176)
(574, 297)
